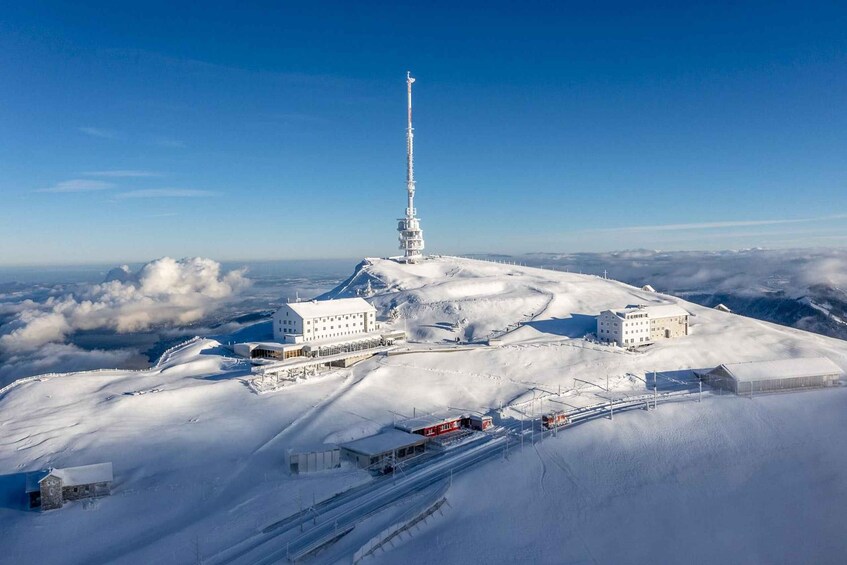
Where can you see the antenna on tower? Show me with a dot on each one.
(411, 235)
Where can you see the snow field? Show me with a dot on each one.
(199, 459)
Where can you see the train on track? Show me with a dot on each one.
(555, 420)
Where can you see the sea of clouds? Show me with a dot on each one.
(750, 271)
(163, 293)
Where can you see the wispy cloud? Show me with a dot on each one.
(165, 193)
(99, 132)
(122, 174)
(169, 142)
(718, 225)
(78, 185)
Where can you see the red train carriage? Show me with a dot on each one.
(555, 420)
(481, 423)
(430, 425)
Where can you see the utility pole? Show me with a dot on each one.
(532, 419)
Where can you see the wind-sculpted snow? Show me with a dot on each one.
(165, 292)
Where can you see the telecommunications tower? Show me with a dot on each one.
(411, 236)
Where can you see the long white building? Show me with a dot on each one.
(642, 325)
(323, 319)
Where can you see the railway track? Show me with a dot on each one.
(330, 520)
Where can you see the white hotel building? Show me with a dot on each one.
(642, 325)
(316, 320)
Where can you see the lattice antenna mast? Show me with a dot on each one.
(410, 152)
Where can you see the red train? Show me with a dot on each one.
(555, 420)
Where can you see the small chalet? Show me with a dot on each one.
(50, 488)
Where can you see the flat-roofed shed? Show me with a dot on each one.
(373, 451)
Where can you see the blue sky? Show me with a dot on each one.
(277, 131)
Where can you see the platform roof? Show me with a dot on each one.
(339, 306)
(782, 369)
(384, 442)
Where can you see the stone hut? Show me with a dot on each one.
(50, 488)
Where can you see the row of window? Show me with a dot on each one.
(632, 340)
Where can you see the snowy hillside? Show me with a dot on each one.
(199, 459)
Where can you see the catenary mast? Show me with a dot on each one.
(411, 236)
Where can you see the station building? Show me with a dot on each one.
(642, 325)
(771, 376)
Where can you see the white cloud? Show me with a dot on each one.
(707, 225)
(169, 142)
(99, 132)
(78, 185)
(719, 225)
(162, 292)
(745, 272)
(122, 174)
(165, 193)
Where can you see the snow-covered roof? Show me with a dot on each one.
(654, 312)
(648, 288)
(383, 442)
(426, 421)
(72, 476)
(336, 307)
(782, 369)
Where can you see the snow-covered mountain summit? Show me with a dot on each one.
(199, 459)
(444, 298)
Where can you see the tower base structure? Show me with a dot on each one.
(411, 239)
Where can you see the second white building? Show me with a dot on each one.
(642, 325)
